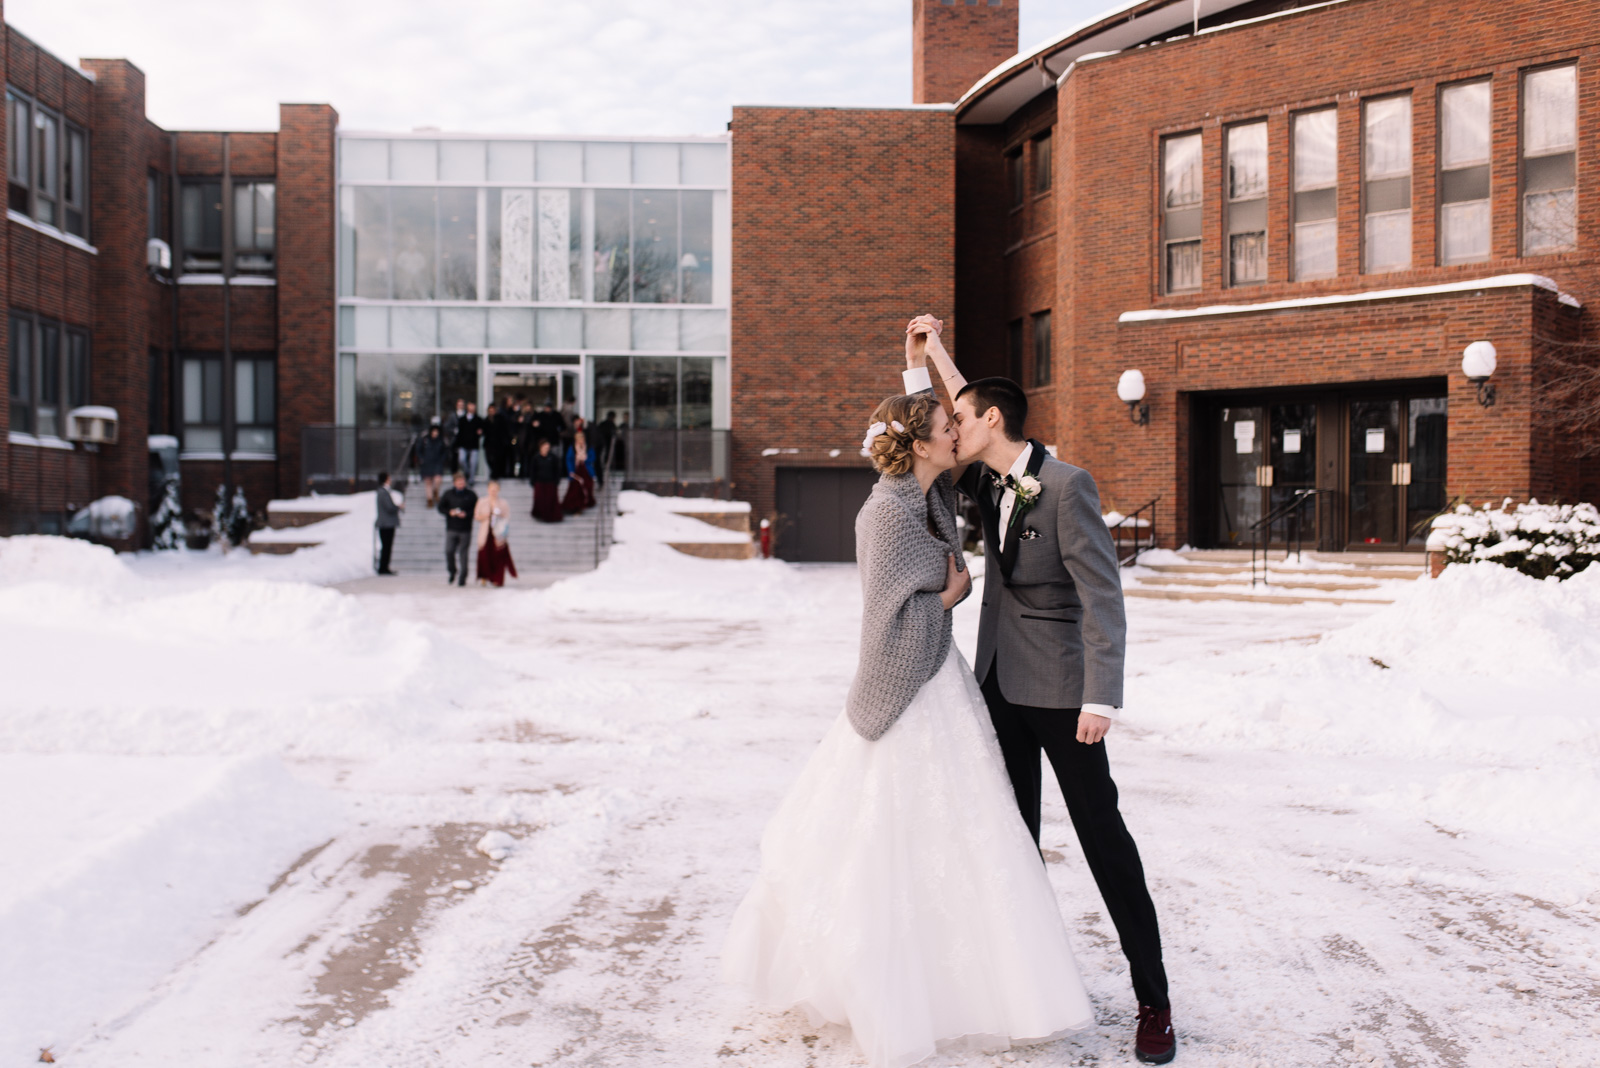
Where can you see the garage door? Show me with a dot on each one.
(817, 509)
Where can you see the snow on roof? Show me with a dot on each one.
(1503, 281)
(94, 411)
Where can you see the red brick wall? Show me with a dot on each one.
(306, 342)
(843, 228)
(1111, 114)
(953, 45)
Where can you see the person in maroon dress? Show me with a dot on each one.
(544, 471)
(580, 477)
(493, 517)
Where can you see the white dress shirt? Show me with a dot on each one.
(917, 380)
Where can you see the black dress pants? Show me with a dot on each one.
(385, 548)
(1085, 777)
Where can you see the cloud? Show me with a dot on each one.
(531, 66)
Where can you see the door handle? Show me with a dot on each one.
(1264, 475)
(1400, 475)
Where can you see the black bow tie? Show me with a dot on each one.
(1004, 482)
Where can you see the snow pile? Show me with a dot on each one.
(1538, 539)
(119, 868)
(1480, 619)
(113, 518)
(645, 518)
(233, 665)
(343, 550)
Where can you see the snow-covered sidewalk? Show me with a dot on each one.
(1378, 847)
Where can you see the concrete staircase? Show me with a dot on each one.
(1326, 578)
(577, 544)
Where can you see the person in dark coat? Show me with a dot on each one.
(527, 440)
(388, 521)
(497, 442)
(545, 473)
(605, 435)
(457, 505)
(580, 483)
(433, 457)
(469, 437)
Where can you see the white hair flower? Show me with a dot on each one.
(898, 428)
(873, 432)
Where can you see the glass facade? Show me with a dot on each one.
(594, 272)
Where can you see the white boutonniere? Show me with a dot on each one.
(1027, 489)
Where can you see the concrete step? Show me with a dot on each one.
(1183, 594)
(1352, 559)
(1401, 574)
(1276, 583)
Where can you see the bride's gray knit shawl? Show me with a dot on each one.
(905, 629)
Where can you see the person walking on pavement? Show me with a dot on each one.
(493, 518)
(390, 505)
(433, 456)
(580, 483)
(457, 506)
(469, 436)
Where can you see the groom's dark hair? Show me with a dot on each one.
(1004, 394)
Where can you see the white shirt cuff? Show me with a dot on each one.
(916, 379)
(1107, 711)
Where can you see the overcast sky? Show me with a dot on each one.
(537, 66)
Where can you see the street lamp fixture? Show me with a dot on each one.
(1478, 363)
(1130, 391)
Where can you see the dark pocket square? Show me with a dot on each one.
(1030, 535)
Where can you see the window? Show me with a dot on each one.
(254, 227)
(19, 153)
(254, 399)
(1014, 349)
(1550, 161)
(22, 374)
(1316, 194)
(201, 227)
(202, 404)
(78, 369)
(152, 206)
(47, 413)
(1017, 178)
(1041, 349)
(47, 168)
(75, 182)
(40, 381)
(1464, 172)
(1247, 204)
(1386, 170)
(1041, 164)
(255, 395)
(1181, 200)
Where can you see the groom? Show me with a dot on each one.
(1051, 638)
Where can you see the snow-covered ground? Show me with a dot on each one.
(243, 813)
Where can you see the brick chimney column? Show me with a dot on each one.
(956, 42)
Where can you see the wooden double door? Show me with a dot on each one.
(1376, 459)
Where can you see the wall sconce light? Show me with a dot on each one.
(1130, 391)
(1478, 363)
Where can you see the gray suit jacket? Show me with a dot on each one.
(1052, 622)
(388, 511)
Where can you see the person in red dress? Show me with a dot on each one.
(544, 471)
(580, 477)
(494, 526)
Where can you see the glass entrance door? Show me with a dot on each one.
(1292, 432)
(1396, 470)
(1241, 452)
(536, 385)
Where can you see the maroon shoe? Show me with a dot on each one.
(1154, 1044)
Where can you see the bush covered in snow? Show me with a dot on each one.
(167, 530)
(231, 516)
(1536, 539)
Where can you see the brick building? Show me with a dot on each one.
(173, 288)
(1291, 223)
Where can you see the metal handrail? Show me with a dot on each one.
(1290, 507)
(1428, 522)
(605, 504)
(1133, 518)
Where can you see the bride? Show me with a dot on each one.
(900, 893)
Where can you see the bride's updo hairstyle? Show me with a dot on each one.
(891, 450)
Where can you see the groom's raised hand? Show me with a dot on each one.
(1092, 728)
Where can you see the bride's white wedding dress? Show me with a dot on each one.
(901, 895)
